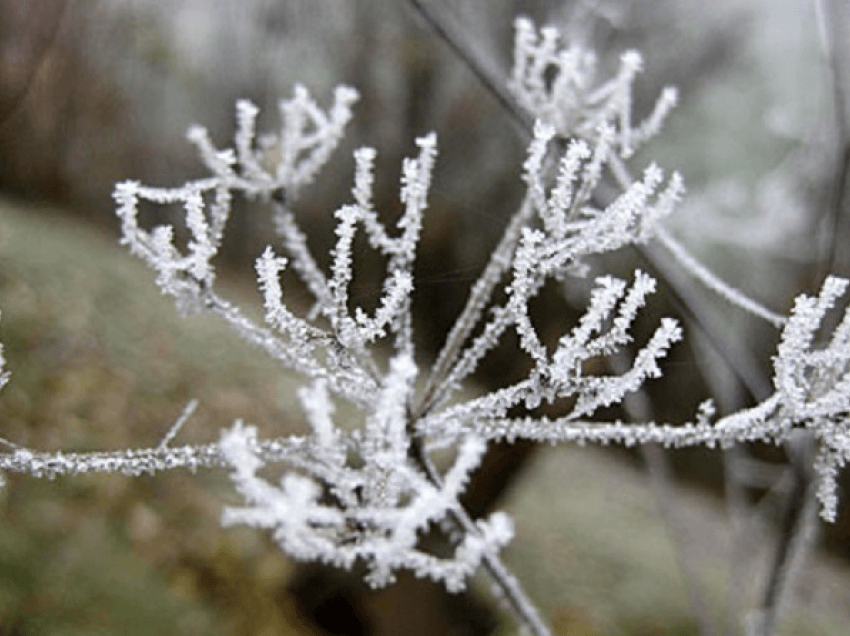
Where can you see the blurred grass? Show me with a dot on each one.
(100, 360)
(593, 551)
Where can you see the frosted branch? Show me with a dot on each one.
(383, 504)
(710, 280)
(559, 87)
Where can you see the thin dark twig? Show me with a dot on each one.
(833, 32)
(797, 520)
(639, 408)
(505, 582)
(838, 197)
(489, 77)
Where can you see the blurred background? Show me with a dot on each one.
(96, 91)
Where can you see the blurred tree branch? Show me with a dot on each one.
(50, 22)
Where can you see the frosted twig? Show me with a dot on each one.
(172, 432)
(713, 282)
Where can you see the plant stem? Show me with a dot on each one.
(524, 610)
(795, 530)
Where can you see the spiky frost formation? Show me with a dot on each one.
(373, 510)
(558, 85)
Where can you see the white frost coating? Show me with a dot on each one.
(368, 491)
(378, 509)
(559, 86)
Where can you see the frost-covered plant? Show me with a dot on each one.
(368, 490)
(558, 85)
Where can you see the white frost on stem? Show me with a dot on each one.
(559, 86)
(373, 510)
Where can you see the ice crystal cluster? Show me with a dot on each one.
(558, 85)
(368, 491)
